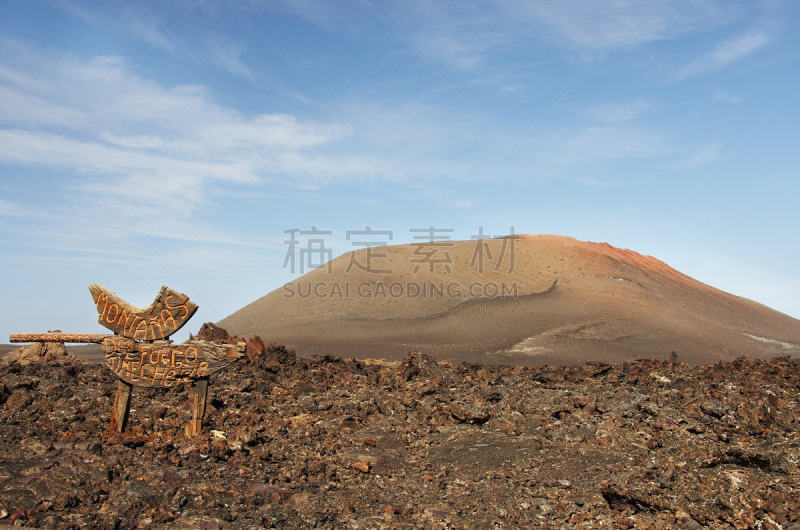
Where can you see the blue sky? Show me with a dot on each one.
(147, 143)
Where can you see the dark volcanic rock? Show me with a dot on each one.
(211, 332)
(418, 364)
(325, 442)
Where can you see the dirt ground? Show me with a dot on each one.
(326, 442)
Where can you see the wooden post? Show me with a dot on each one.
(122, 407)
(197, 398)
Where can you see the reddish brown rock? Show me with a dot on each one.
(255, 348)
(211, 332)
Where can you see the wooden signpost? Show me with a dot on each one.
(141, 354)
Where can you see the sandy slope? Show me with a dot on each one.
(575, 301)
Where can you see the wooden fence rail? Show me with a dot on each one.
(89, 338)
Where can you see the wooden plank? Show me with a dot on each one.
(162, 364)
(92, 338)
(198, 395)
(166, 315)
(122, 407)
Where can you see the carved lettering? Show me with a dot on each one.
(111, 313)
(130, 320)
(150, 356)
(155, 375)
(140, 333)
(162, 364)
(155, 328)
(169, 378)
(121, 317)
(102, 303)
(168, 320)
(166, 315)
(179, 305)
(132, 375)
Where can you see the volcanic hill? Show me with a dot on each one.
(528, 299)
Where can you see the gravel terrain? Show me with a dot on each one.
(326, 442)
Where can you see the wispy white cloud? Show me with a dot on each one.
(227, 57)
(326, 14)
(624, 23)
(459, 55)
(722, 96)
(594, 144)
(128, 150)
(141, 21)
(725, 53)
(619, 111)
(146, 151)
(700, 158)
(74, 10)
(145, 28)
(446, 34)
(592, 182)
(11, 210)
(734, 49)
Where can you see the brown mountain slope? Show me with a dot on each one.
(536, 299)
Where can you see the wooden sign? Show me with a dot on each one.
(163, 364)
(166, 315)
(156, 362)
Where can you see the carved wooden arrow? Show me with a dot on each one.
(170, 311)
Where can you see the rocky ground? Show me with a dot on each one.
(327, 442)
